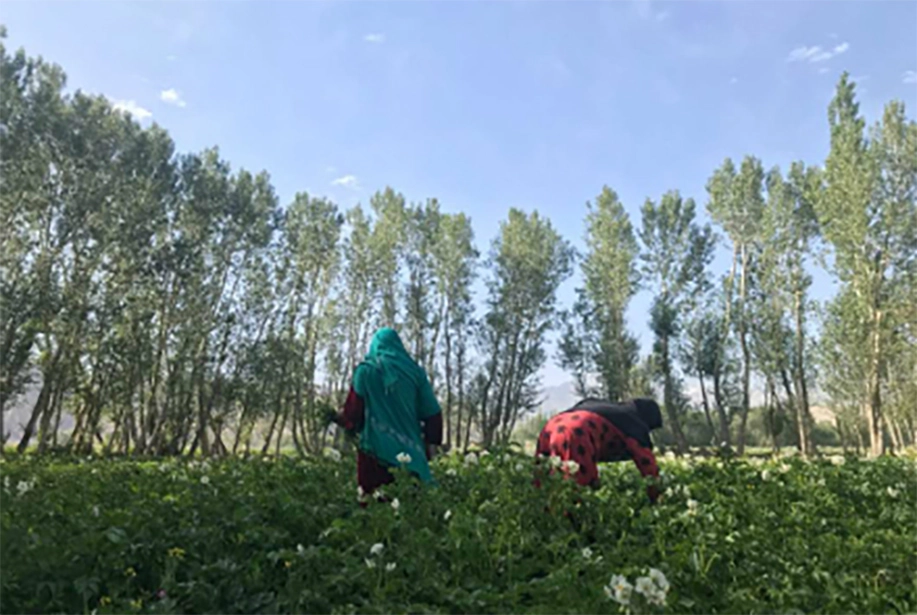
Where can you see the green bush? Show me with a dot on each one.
(287, 536)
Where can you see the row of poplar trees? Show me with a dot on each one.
(164, 303)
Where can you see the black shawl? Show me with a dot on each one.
(635, 418)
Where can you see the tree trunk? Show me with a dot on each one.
(703, 394)
(44, 397)
(3, 434)
(874, 408)
(283, 424)
(448, 416)
(44, 430)
(802, 443)
(270, 432)
(57, 418)
(894, 435)
(746, 354)
(803, 411)
(681, 442)
(725, 436)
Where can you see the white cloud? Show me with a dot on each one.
(347, 181)
(909, 77)
(824, 70)
(734, 80)
(816, 53)
(172, 97)
(171, 58)
(662, 15)
(374, 38)
(129, 106)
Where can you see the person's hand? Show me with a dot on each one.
(654, 494)
(329, 417)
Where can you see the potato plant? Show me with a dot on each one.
(287, 535)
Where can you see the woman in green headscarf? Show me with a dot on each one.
(392, 406)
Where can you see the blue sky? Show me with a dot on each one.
(486, 105)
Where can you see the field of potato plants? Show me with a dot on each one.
(285, 535)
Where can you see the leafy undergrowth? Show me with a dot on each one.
(287, 536)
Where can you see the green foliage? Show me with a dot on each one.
(868, 215)
(676, 252)
(596, 343)
(528, 262)
(287, 536)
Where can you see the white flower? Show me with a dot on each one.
(451, 472)
(669, 455)
(95, 511)
(657, 598)
(784, 468)
(390, 566)
(403, 458)
(300, 549)
(659, 579)
(396, 504)
(837, 460)
(765, 475)
(692, 510)
(645, 586)
(555, 462)
(376, 549)
(572, 466)
(619, 589)
(587, 553)
(370, 563)
(471, 459)
(23, 487)
(6, 483)
(484, 453)
(334, 454)
(892, 493)
(447, 515)
(360, 493)
(205, 480)
(519, 467)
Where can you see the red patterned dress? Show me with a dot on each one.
(587, 438)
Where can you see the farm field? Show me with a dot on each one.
(286, 535)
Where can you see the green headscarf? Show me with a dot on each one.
(397, 395)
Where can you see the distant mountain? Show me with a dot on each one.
(556, 398)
